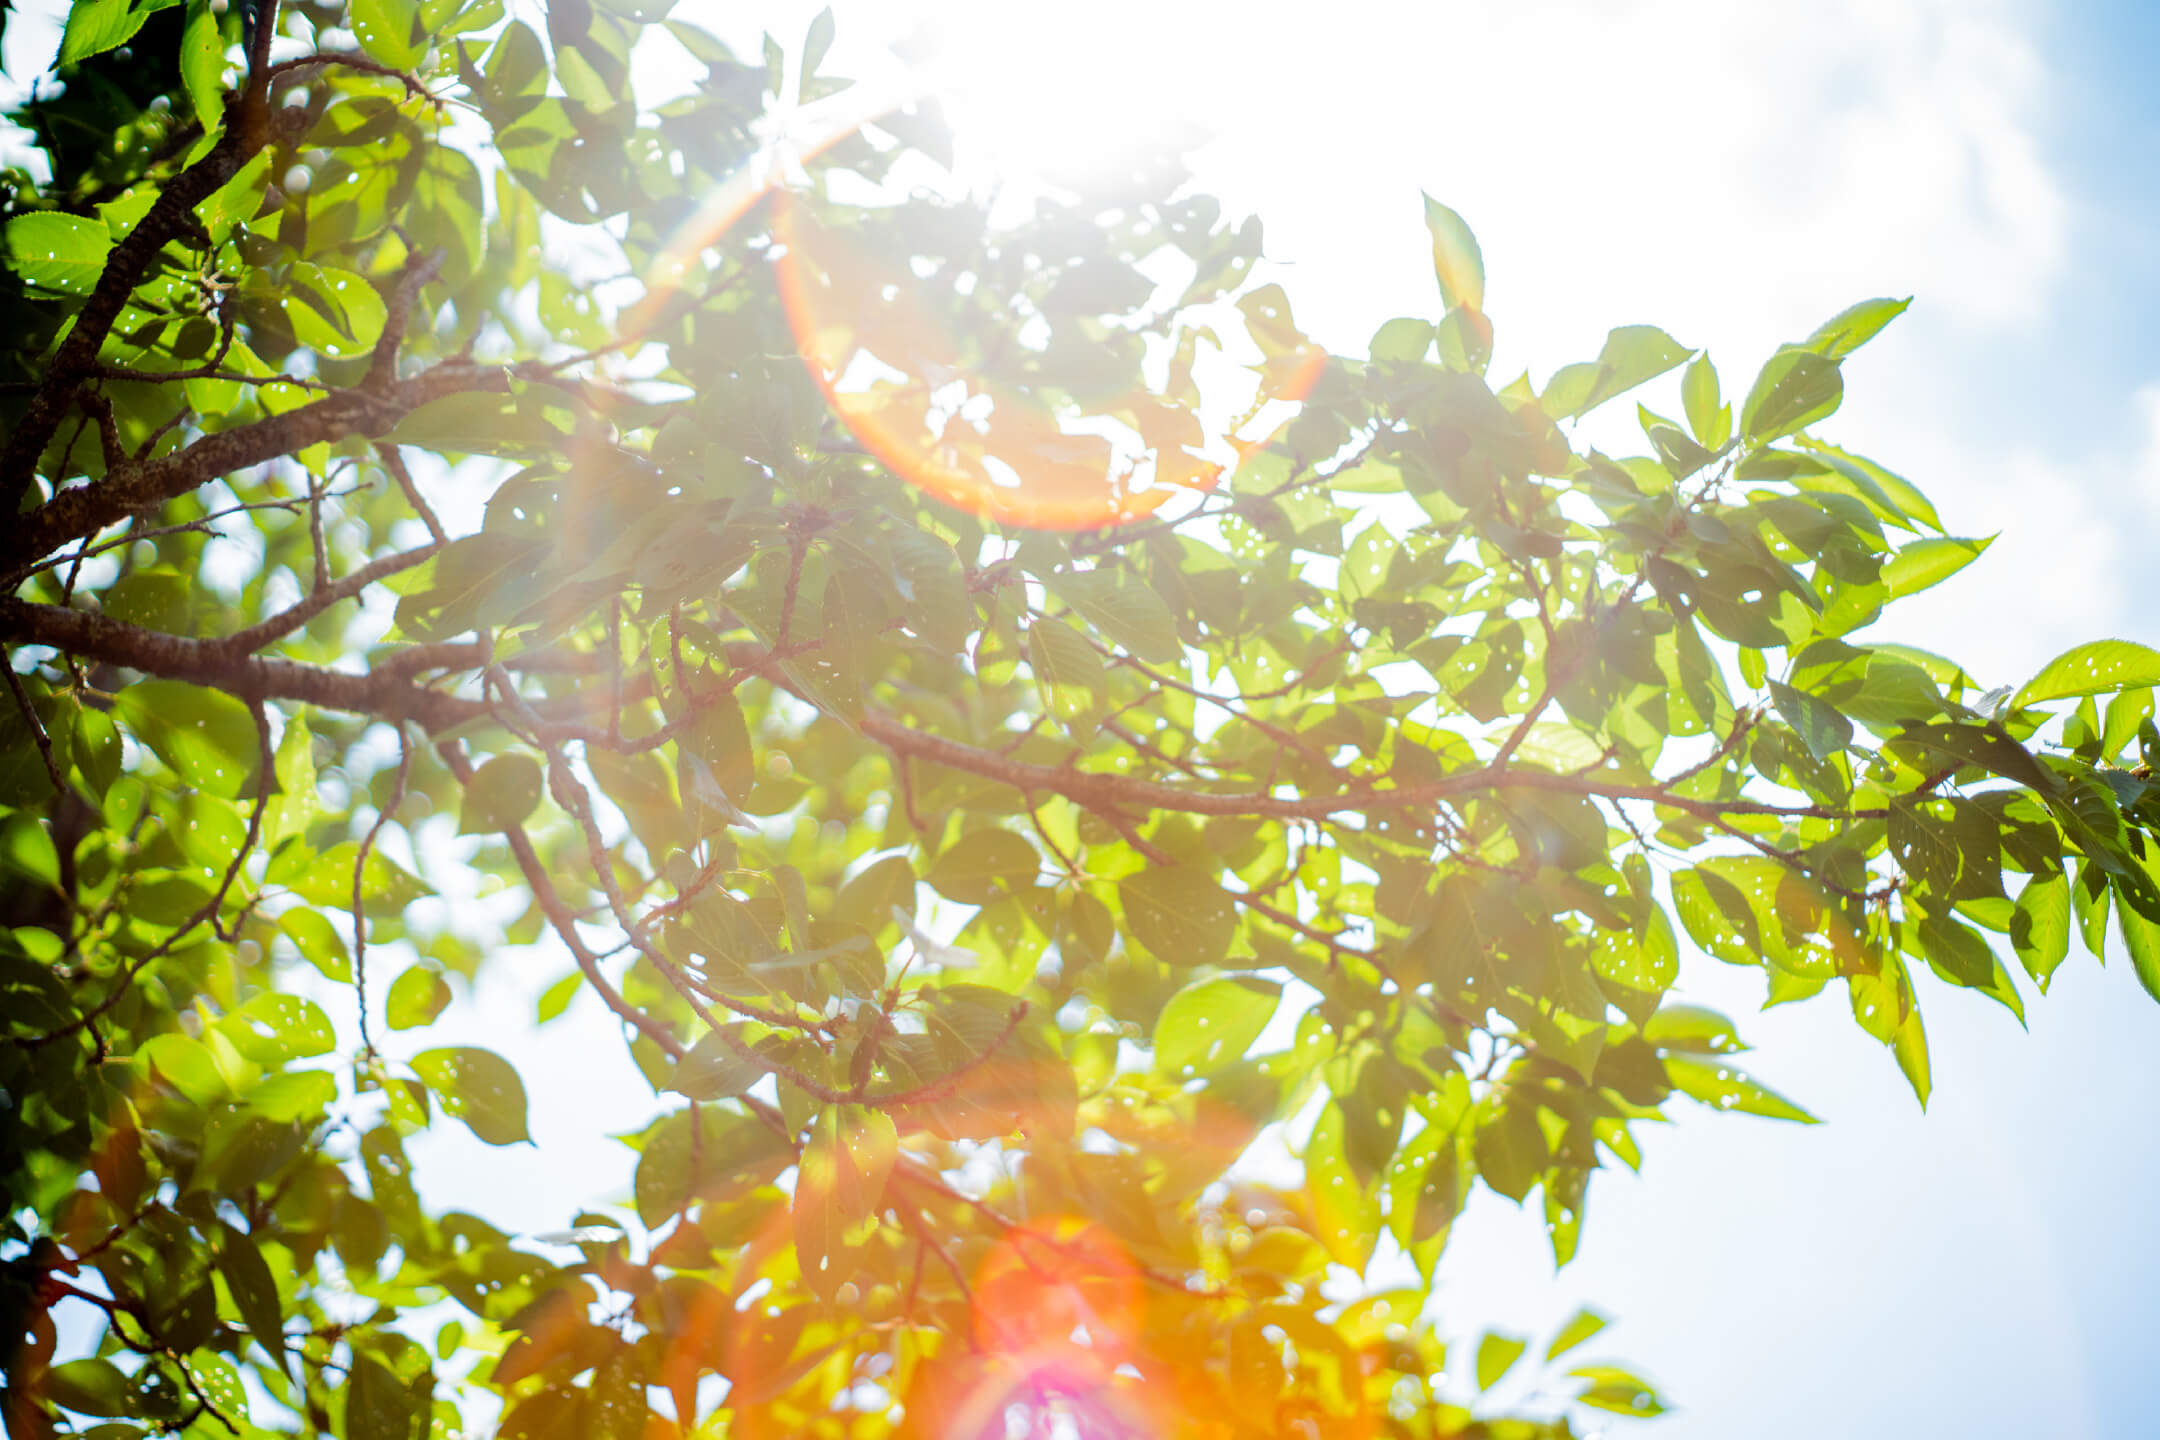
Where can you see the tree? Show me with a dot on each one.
(877, 557)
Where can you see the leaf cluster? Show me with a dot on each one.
(984, 800)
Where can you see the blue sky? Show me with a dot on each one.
(1735, 170)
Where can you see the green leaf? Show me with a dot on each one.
(1511, 1150)
(385, 885)
(1912, 1055)
(714, 1070)
(202, 65)
(62, 254)
(1615, 1390)
(237, 200)
(1706, 412)
(1725, 1088)
(983, 865)
(159, 599)
(478, 1087)
(386, 29)
(1424, 1187)
(477, 424)
(1404, 340)
(1633, 354)
(557, 997)
(295, 1095)
(1458, 264)
(254, 1290)
(1346, 1213)
(1817, 722)
(273, 1028)
(1067, 670)
(335, 312)
(1209, 1024)
(318, 942)
(206, 736)
(839, 1190)
(24, 780)
(90, 1386)
(95, 26)
(1583, 1324)
(502, 793)
(2040, 926)
(721, 737)
(818, 41)
(377, 1404)
(1797, 388)
(1179, 913)
(1126, 611)
(1929, 562)
(2093, 668)
(2141, 934)
(1854, 326)
(292, 809)
(1692, 1029)
(416, 998)
(1496, 1355)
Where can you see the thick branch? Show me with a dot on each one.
(86, 509)
(386, 693)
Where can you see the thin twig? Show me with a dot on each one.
(359, 890)
(37, 726)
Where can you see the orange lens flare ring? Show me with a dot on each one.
(1016, 463)
(1059, 1310)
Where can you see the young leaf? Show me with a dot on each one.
(715, 1069)
(501, 793)
(1797, 388)
(2093, 668)
(1728, 1089)
(416, 998)
(1212, 1023)
(2040, 926)
(1854, 326)
(1706, 412)
(318, 942)
(1583, 1324)
(95, 26)
(61, 254)
(206, 736)
(202, 65)
(1179, 913)
(1457, 263)
(1616, 1390)
(478, 1087)
(1496, 1355)
(839, 1188)
(985, 864)
(1929, 562)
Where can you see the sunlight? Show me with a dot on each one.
(1040, 94)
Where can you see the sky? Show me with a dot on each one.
(1735, 171)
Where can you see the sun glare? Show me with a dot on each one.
(1065, 97)
(1035, 109)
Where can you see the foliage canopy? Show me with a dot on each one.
(984, 779)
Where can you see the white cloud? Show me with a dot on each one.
(1736, 172)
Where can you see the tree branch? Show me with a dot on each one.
(84, 510)
(249, 126)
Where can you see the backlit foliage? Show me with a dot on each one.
(995, 717)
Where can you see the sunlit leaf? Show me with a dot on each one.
(478, 1087)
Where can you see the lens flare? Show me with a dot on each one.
(896, 375)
